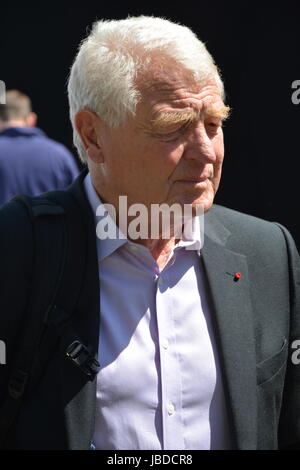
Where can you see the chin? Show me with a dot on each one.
(206, 201)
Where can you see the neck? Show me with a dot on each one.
(161, 246)
(15, 123)
(160, 249)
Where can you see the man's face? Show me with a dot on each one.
(172, 150)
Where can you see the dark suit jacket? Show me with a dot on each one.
(256, 318)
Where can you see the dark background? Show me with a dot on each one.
(257, 48)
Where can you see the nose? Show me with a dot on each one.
(199, 145)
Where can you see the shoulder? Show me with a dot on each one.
(16, 242)
(234, 219)
(52, 147)
(14, 219)
(15, 227)
(58, 148)
(63, 160)
(250, 234)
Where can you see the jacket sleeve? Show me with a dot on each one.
(289, 424)
(16, 253)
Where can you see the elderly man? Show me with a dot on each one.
(196, 339)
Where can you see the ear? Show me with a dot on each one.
(31, 120)
(88, 126)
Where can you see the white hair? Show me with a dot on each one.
(103, 77)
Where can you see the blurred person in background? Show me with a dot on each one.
(30, 162)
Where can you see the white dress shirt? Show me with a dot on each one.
(160, 385)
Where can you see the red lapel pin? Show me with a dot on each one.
(237, 276)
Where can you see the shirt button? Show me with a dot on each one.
(165, 344)
(171, 409)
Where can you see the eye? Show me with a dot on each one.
(213, 126)
(169, 137)
(172, 135)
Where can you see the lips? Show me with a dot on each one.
(194, 180)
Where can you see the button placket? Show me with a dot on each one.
(170, 370)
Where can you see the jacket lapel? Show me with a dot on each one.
(231, 304)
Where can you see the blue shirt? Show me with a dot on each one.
(160, 385)
(31, 163)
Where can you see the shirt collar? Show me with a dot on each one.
(191, 239)
(106, 246)
(23, 131)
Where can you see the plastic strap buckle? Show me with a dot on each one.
(84, 358)
(17, 383)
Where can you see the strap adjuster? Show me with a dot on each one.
(17, 383)
(84, 358)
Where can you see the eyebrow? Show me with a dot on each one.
(166, 119)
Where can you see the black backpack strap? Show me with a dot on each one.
(59, 314)
(58, 231)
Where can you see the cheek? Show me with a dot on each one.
(171, 154)
(162, 159)
(218, 144)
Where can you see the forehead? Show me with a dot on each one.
(178, 93)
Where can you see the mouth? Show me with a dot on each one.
(197, 182)
(205, 178)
